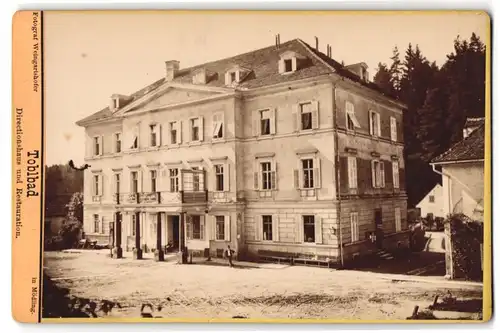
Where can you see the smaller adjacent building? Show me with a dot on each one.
(432, 203)
(462, 171)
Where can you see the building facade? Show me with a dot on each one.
(278, 150)
(432, 203)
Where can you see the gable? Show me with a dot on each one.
(173, 96)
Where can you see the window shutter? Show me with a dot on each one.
(158, 134)
(378, 125)
(318, 230)
(101, 184)
(394, 133)
(178, 126)
(139, 181)
(370, 120)
(276, 228)
(226, 176)
(315, 114)
(281, 66)
(296, 179)
(296, 117)
(317, 172)
(101, 146)
(256, 123)
(344, 174)
(382, 173)
(202, 227)
(223, 123)
(274, 176)
(227, 228)
(299, 229)
(201, 129)
(258, 227)
(395, 174)
(189, 229)
(272, 121)
(102, 225)
(213, 227)
(93, 185)
(374, 174)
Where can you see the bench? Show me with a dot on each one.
(312, 260)
(276, 256)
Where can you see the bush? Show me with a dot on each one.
(417, 237)
(466, 238)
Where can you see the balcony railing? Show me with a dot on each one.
(161, 197)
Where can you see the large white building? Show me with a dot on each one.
(281, 151)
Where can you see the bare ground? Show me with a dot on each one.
(258, 291)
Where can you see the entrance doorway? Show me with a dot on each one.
(175, 222)
(379, 232)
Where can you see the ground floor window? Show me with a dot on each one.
(96, 223)
(219, 228)
(267, 227)
(195, 228)
(309, 230)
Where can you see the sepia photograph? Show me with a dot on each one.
(253, 166)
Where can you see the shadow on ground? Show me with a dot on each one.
(413, 263)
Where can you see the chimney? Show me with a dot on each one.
(171, 69)
(317, 43)
(328, 51)
(277, 38)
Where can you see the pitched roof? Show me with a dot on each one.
(264, 71)
(470, 148)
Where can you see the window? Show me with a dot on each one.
(97, 145)
(288, 65)
(431, 198)
(354, 226)
(306, 116)
(96, 223)
(219, 228)
(117, 183)
(308, 173)
(173, 132)
(266, 173)
(118, 142)
(218, 126)
(397, 218)
(134, 222)
(219, 177)
(351, 120)
(196, 227)
(135, 143)
(174, 180)
(135, 137)
(394, 129)
(265, 122)
(153, 135)
(97, 189)
(134, 177)
(152, 174)
(309, 230)
(374, 123)
(195, 129)
(116, 103)
(232, 77)
(395, 174)
(196, 180)
(352, 169)
(267, 227)
(378, 174)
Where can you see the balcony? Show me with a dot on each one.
(164, 197)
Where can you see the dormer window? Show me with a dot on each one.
(232, 77)
(236, 74)
(116, 102)
(288, 62)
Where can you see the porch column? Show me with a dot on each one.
(182, 239)
(117, 250)
(137, 249)
(159, 253)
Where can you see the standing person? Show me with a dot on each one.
(229, 255)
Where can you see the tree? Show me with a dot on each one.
(383, 79)
(71, 231)
(396, 70)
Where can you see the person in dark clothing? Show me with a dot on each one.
(229, 256)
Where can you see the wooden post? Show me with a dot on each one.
(159, 254)
(117, 249)
(182, 239)
(137, 249)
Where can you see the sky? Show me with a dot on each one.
(88, 56)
